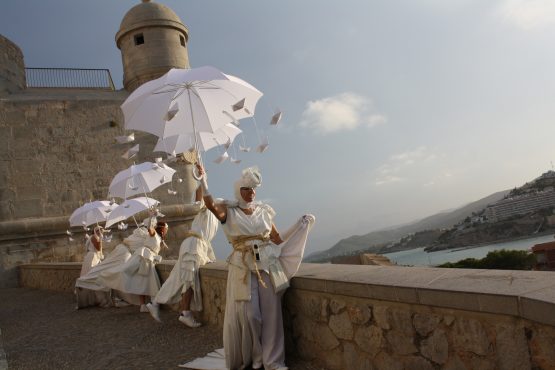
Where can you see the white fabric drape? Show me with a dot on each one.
(195, 251)
(91, 259)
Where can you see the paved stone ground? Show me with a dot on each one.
(43, 330)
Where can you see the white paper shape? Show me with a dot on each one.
(227, 144)
(179, 180)
(234, 160)
(221, 158)
(158, 159)
(125, 138)
(71, 239)
(131, 152)
(239, 105)
(172, 112)
(172, 192)
(276, 118)
(163, 180)
(233, 119)
(69, 232)
(245, 149)
(263, 146)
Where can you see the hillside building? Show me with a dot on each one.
(523, 204)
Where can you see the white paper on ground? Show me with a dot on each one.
(213, 361)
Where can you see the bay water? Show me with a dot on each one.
(419, 257)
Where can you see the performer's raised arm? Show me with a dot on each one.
(219, 210)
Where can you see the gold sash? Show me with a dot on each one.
(239, 245)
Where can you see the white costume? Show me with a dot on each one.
(253, 326)
(138, 274)
(94, 288)
(92, 258)
(195, 251)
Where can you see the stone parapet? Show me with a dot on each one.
(375, 317)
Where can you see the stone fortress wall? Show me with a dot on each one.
(57, 151)
(392, 318)
(12, 72)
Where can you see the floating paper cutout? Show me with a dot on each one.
(107, 238)
(227, 144)
(112, 201)
(163, 179)
(172, 192)
(233, 119)
(276, 118)
(239, 105)
(221, 158)
(71, 239)
(158, 159)
(234, 160)
(125, 138)
(245, 149)
(263, 146)
(172, 112)
(180, 180)
(131, 152)
(122, 226)
(69, 232)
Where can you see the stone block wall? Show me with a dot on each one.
(58, 151)
(12, 67)
(370, 317)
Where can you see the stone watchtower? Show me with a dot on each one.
(152, 40)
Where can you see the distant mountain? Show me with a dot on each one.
(375, 240)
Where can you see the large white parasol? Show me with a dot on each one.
(185, 101)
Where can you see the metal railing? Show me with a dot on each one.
(73, 78)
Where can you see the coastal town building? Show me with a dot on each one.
(521, 204)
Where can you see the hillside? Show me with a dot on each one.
(376, 240)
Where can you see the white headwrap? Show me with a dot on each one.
(250, 178)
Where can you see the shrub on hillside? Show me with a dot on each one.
(499, 260)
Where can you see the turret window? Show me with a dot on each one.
(182, 40)
(139, 39)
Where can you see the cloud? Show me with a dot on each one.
(399, 167)
(528, 14)
(342, 112)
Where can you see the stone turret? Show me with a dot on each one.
(12, 67)
(152, 40)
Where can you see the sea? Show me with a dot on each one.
(419, 257)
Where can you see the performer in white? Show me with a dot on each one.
(138, 275)
(94, 251)
(132, 275)
(184, 282)
(260, 266)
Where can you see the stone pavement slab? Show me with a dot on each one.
(43, 330)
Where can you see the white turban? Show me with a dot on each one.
(250, 178)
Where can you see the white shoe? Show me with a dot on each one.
(190, 321)
(154, 310)
(143, 308)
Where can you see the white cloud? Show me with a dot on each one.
(528, 14)
(406, 165)
(345, 111)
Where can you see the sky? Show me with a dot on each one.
(392, 110)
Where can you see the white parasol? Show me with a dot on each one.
(140, 179)
(91, 213)
(129, 208)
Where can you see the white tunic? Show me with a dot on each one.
(195, 251)
(253, 330)
(92, 258)
(253, 327)
(138, 274)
